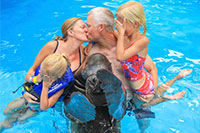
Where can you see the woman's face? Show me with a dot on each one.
(80, 31)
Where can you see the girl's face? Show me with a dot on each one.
(45, 77)
(79, 31)
(120, 19)
(130, 28)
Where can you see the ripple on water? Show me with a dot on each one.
(175, 68)
(5, 45)
(195, 61)
(196, 75)
(161, 59)
(83, 15)
(174, 130)
(88, 6)
(175, 53)
(56, 14)
(2, 56)
(111, 4)
(37, 35)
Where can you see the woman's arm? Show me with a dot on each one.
(46, 102)
(44, 52)
(150, 66)
(122, 53)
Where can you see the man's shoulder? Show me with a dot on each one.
(94, 48)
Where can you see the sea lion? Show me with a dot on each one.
(97, 101)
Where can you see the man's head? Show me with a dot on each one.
(99, 19)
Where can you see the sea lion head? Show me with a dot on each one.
(95, 63)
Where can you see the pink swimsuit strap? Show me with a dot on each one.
(140, 37)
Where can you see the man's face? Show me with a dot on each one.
(93, 32)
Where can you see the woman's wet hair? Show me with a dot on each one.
(68, 25)
(103, 16)
(55, 65)
(133, 12)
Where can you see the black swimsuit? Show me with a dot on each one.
(79, 56)
(79, 61)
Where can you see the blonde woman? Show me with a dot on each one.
(51, 85)
(74, 34)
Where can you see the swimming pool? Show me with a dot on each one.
(173, 30)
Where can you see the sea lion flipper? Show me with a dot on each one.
(143, 113)
(79, 108)
(112, 88)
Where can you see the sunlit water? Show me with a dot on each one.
(173, 30)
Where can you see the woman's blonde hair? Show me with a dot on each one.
(68, 25)
(134, 12)
(55, 65)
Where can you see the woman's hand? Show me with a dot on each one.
(30, 98)
(38, 78)
(29, 74)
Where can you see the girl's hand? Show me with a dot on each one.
(46, 80)
(30, 98)
(120, 27)
(47, 84)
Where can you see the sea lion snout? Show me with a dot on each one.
(93, 91)
(93, 83)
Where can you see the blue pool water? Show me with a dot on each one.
(173, 30)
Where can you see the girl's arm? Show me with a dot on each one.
(120, 39)
(123, 54)
(44, 52)
(46, 102)
(150, 66)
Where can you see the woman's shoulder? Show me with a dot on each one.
(51, 44)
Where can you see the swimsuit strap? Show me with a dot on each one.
(86, 51)
(79, 61)
(56, 46)
(136, 40)
(79, 57)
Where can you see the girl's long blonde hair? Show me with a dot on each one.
(134, 12)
